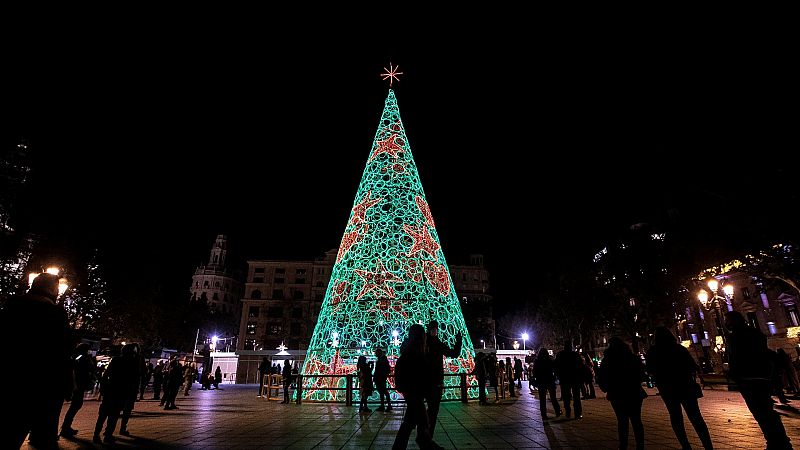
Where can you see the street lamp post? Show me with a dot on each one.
(484, 344)
(524, 340)
(714, 302)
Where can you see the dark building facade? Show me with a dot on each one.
(472, 286)
(219, 285)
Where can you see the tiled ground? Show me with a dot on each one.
(233, 418)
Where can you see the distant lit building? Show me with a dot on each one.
(282, 300)
(472, 286)
(218, 285)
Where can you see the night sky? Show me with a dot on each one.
(533, 154)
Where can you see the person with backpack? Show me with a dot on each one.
(413, 378)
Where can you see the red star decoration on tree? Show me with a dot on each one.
(376, 281)
(360, 210)
(425, 210)
(437, 277)
(423, 241)
(348, 240)
(388, 146)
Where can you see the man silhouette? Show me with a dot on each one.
(435, 351)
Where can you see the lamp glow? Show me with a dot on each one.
(713, 284)
(703, 297)
(728, 289)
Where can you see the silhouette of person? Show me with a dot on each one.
(569, 365)
(364, 383)
(587, 387)
(673, 370)
(158, 379)
(119, 387)
(174, 380)
(751, 367)
(414, 378)
(83, 368)
(543, 375)
(264, 369)
(620, 377)
(217, 377)
(132, 355)
(435, 351)
(38, 396)
(147, 371)
(382, 371)
(480, 373)
(518, 372)
(287, 380)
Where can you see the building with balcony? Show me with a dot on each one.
(472, 286)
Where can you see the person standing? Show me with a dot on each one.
(134, 362)
(587, 387)
(382, 371)
(518, 372)
(620, 377)
(147, 372)
(751, 367)
(480, 373)
(174, 379)
(543, 375)
(264, 369)
(287, 380)
(189, 374)
(83, 368)
(569, 368)
(434, 352)
(38, 396)
(158, 379)
(120, 387)
(364, 383)
(673, 370)
(217, 377)
(510, 376)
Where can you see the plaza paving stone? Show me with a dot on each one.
(234, 418)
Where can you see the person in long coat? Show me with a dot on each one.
(673, 370)
(620, 377)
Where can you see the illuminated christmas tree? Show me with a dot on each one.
(390, 273)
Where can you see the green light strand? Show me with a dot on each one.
(390, 273)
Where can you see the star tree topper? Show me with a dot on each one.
(391, 74)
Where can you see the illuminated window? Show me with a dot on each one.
(251, 328)
(274, 329)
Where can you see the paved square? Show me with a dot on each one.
(233, 418)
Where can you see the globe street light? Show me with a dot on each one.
(714, 302)
(484, 344)
(524, 340)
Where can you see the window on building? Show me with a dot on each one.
(216, 258)
(745, 293)
(298, 295)
(224, 297)
(295, 329)
(251, 328)
(258, 270)
(197, 284)
(279, 280)
(274, 329)
(277, 294)
(318, 296)
(280, 270)
(258, 279)
(300, 276)
(250, 344)
(319, 283)
(205, 283)
(215, 296)
(216, 284)
(297, 313)
(275, 311)
(253, 311)
(464, 276)
(256, 294)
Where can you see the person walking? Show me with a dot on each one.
(569, 366)
(543, 374)
(673, 369)
(189, 375)
(83, 368)
(490, 363)
(751, 367)
(264, 369)
(587, 387)
(413, 379)
(382, 371)
(480, 373)
(620, 377)
(365, 386)
(174, 380)
(120, 387)
(38, 396)
(134, 361)
(435, 351)
(147, 372)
